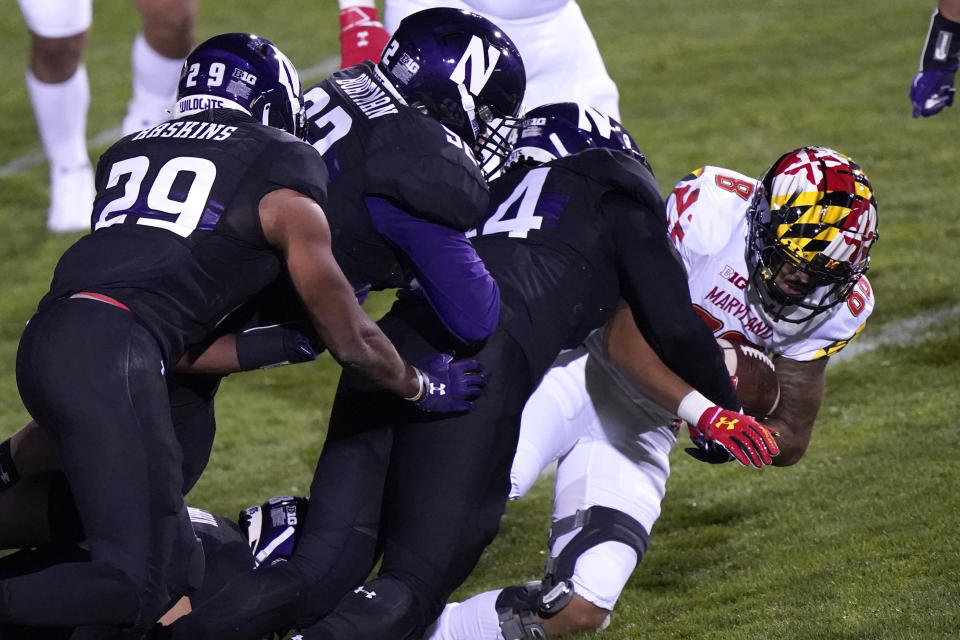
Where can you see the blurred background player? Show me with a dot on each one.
(362, 36)
(777, 262)
(60, 93)
(561, 57)
(932, 88)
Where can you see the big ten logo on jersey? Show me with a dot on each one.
(731, 275)
(480, 70)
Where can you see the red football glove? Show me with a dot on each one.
(748, 441)
(362, 36)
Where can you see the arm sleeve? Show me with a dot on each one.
(453, 277)
(654, 284)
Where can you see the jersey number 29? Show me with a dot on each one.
(181, 215)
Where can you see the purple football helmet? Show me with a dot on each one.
(246, 72)
(272, 528)
(563, 128)
(461, 69)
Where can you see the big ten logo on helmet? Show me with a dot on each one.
(244, 76)
(479, 72)
(291, 512)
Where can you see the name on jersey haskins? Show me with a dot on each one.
(188, 129)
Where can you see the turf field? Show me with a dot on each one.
(858, 541)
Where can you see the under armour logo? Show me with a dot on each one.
(363, 38)
(438, 389)
(369, 595)
(727, 423)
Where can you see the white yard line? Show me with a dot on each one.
(903, 332)
(106, 137)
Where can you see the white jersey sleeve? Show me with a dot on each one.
(707, 222)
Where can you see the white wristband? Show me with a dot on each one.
(693, 405)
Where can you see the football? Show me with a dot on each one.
(757, 384)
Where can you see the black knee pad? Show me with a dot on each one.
(597, 525)
(518, 607)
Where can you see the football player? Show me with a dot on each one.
(566, 241)
(778, 263)
(932, 88)
(407, 142)
(60, 94)
(556, 44)
(263, 535)
(193, 217)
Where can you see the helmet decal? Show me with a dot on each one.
(462, 70)
(560, 129)
(246, 72)
(479, 71)
(814, 210)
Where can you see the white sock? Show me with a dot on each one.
(155, 79)
(61, 112)
(472, 619)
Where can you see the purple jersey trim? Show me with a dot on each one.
(451, 274)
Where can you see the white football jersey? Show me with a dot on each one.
(707, 221)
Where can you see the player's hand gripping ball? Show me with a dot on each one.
(754, 376)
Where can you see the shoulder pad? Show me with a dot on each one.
(706, 207)
(618, 170)
(426, 170)
(298, 166)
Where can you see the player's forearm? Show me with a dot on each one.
(357, 343)
(626, 348)
(801, 394)
(220, 358)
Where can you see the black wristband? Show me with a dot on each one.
(273, 346)
(9, 475)
(942, 47)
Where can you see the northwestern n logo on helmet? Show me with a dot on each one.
(480, 72)
(600, 121)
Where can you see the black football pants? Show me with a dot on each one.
(89, 373)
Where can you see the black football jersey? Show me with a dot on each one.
(567, 239)
(554, 247)
(177, 235)
(376, 146)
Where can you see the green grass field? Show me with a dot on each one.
(857, 541)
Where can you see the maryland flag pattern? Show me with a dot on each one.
(825, 205)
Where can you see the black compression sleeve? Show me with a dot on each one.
(942, 47)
